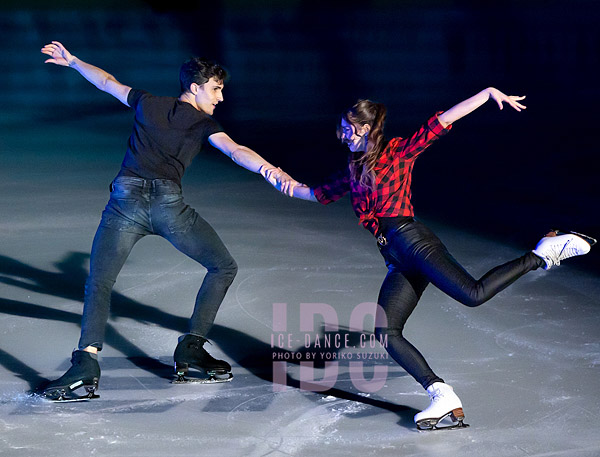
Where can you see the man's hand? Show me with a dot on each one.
(280, 180)
(60, 55)
(97, 76)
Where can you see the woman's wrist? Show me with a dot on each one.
(265, 168)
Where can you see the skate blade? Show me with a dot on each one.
(62, 396)
(71, 399)
(456, 416)
(588, 239)
(212, 378)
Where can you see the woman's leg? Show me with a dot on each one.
(398, 297)
(428, 255)
(451, 278)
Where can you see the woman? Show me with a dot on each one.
(379, 180)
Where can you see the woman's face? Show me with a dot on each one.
(355, 138)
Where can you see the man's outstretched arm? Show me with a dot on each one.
(250, 160)
(98, 77)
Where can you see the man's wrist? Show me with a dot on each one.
(72, 62)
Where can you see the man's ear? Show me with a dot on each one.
(194, 88)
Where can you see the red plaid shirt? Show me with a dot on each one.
(393, 176)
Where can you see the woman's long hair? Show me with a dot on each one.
(362, 164)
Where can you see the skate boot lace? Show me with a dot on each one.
(199, 345)
(565, 252)
(200, 348)
(435, 395)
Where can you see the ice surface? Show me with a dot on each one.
(526, 364)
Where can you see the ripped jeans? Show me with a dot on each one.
(140, 207)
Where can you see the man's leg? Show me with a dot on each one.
(201, 243)
(193, 236)
(110, 250)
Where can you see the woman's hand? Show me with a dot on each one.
(471, 104)
(280, 180)
(512, 100)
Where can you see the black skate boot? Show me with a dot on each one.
(84, 373)
(189, 353)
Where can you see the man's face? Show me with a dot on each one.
(208, 95)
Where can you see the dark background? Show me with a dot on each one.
(296, 65)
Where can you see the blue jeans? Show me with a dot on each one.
(416, 257)
(139, 207)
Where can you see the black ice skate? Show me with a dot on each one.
(189, 353)
(83, 376)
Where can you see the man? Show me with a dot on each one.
(146, 198)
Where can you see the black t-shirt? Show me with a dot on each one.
(167, 135)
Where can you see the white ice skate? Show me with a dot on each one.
(444, 403)
(553, 248)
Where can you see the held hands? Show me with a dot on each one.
(60, 56)
(279, 179)
(512, 100)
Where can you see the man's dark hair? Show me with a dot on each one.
(198, 70)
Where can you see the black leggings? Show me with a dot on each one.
(416, 257)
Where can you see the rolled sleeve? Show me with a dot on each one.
(333, 190)
(436, 126)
